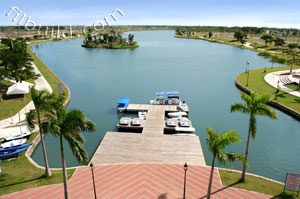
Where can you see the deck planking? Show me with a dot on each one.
(152, 145)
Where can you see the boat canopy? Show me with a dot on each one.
(123, 100)
(167, 93)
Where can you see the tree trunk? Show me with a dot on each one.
(246, 156)
(291, 70)
(47, 170)
(211, 178)
(64, 167)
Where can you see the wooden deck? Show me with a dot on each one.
(152, 145)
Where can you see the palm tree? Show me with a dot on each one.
(41, 100)
(217, 143)
(68, 124)
(254, 105)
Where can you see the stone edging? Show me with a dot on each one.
(277, 105)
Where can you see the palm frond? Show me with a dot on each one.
(239, 107)
(30, 119)
(77, 149)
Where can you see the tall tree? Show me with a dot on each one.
(69, 124)
(293, 53)
(267, 39)
(17, 61)
(240, 35)
(210, 34)
(42, 102)
(217, 143)
(253, 105)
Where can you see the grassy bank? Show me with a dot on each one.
(19, 174)
(12, 104)
(252, 183)
(259, 85)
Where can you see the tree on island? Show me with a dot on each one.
(267, 39)
(253, 105)
(17, 61)
(217, 143)
(42, 102)
(240, 35)
(111, 40)
(210, 34)
(68, 124)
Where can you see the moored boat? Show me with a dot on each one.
(177, 114)
(137, 121)
(13, 143)
(12, 153)
(14, 148)
(184, 122)
(172, 122)
(25, 134)
(166, 97)
(125, 121)
(123, 103)
(142, 115)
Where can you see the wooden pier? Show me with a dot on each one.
(152, 145)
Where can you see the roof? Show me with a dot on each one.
(123, 100)
(167, 93)
(18, 88)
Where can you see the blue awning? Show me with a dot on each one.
(123, 100)
(167, 93)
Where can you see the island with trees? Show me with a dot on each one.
(109, 41)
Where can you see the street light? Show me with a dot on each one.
(185, 167)
(247, 73)
(92, 169)
(277, 91)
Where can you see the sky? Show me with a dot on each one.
(261, 13)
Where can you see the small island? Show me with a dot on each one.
(110, 41)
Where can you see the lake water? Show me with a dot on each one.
(203, 72)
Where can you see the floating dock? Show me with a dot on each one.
(152, 145)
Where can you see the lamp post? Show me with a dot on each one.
(247, 73)
(185, 168)
(277, 91)
(92, 169)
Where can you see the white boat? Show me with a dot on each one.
(137, 121)
(142, 115)
(13, 143)
(184, 122)
(23, 134)
(166, 97)
(177, 114)
(172, 122)
(183, 106)
(125, 121)
(185, 129)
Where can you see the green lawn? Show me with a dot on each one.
(19, 174)
(294, 87)
(231, 179)
(259, 85)
(14, 104)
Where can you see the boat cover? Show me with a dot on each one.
(167, 93)
(123, 100)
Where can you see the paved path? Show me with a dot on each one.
(160, 181)
(8, 126)
(272, 79)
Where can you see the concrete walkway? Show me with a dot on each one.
(273, 78)
(157, 181)
(10, 126)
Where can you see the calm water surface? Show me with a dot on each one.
(203, 72)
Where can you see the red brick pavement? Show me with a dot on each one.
(161, 181)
